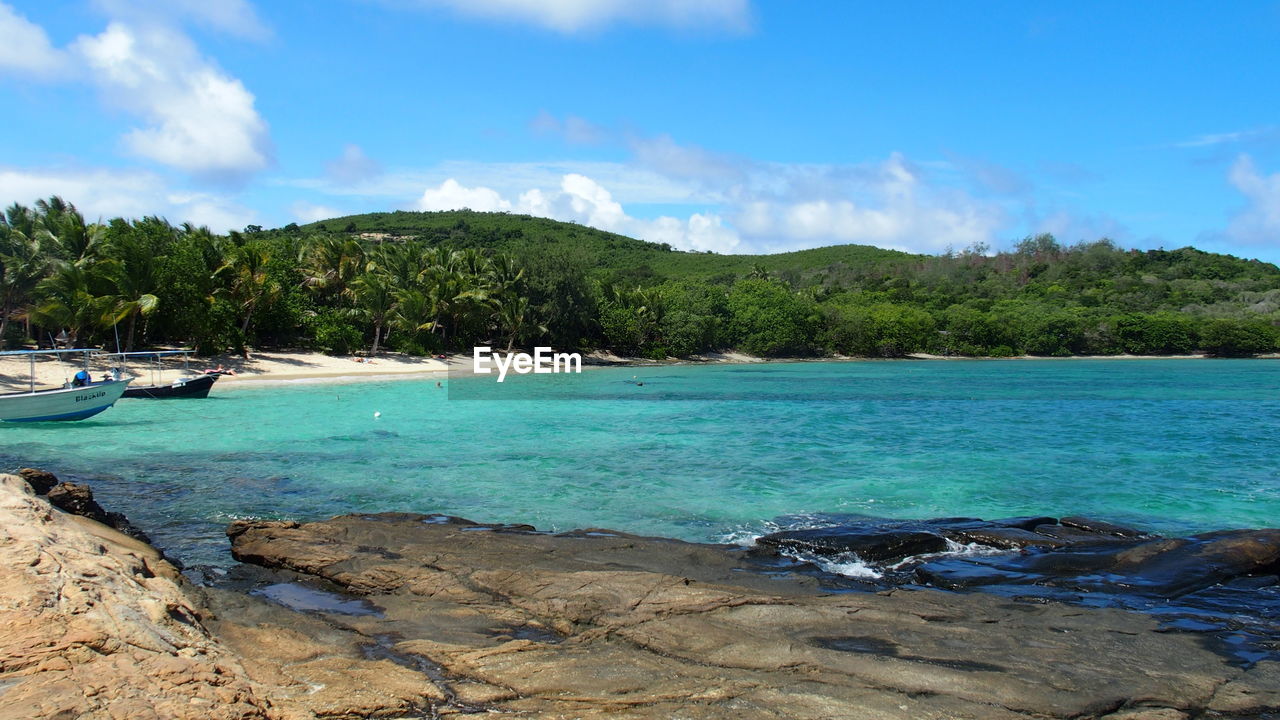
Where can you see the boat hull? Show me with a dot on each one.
(196, 387)
(76, 403)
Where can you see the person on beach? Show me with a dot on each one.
(81, 379)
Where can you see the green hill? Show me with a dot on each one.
(519, 234)
(431, 282)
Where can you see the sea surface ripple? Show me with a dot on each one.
(703, 453)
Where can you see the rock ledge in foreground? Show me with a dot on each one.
(603, 624)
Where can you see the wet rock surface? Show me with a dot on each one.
(603, 624)
(1223, 584)
(77, 499)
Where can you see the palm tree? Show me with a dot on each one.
(517, 320)
(132, 268)
(68, 299)
(375, 295)
(245, 281)
(413, 311)
(66, 234)
(130, 299)
(331, 263)
(21, 269)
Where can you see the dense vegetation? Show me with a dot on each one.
(432, 282)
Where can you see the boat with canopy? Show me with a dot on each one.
(186, 385)
(77, 399)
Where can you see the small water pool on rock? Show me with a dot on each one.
(304, 598)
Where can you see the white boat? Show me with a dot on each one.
(71, 402)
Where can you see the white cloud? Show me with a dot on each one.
(733, 203)
(992, 177)
(305, 212)
(665, 156)
(699, 232)
(1070, 227)
(778, 206)
(1259, 222)
(452, 196)
(582, 200)
(574, 130)
(107, 193)
(352, 167)
(25, 47)
(202, 121)
(628, 183)
(235, 17)
(570, 16)
(1238, 136)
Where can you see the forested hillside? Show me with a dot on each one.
(429, 282)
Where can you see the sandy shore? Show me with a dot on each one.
(299, 366)
(286, 366)
(292, 366)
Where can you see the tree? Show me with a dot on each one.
(516, 320)
(879, 330)
(1236, 338)
(246, 282)
(767, 318)
(131, 265)
(21, 268)
(329, 264)
(375, 295)
(70, 299)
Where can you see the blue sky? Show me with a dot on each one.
(726, 125)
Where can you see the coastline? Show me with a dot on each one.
(271, 367)
(397, 615)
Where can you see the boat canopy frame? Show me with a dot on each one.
(156, 370)
(86, 352)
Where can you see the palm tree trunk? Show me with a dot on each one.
(4, 321)
(377, 332)
(133, 321)
(248, 315)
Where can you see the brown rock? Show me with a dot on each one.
(41, 481)
(97, 625)
(94, 624)
(613, 625)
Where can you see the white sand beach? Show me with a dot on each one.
(284, 366)
(301, 366)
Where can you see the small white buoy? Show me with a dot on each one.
(377, 415)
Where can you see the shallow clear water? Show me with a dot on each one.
(697, 452)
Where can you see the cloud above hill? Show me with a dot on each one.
(582, 200)
(1259, 221)
(743, 205)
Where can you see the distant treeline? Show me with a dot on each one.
(434, 282)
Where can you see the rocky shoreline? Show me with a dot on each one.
(410, 616)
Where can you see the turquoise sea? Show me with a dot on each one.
(706, 453)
